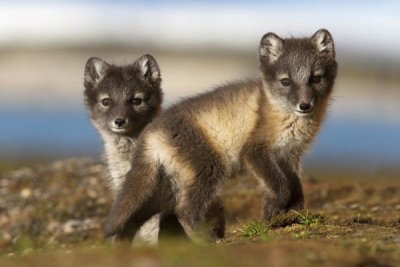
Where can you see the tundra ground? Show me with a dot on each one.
(53, 214)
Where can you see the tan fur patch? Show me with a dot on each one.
(228, 125)
(158, 148)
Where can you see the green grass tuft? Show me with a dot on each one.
(254, 229)
(307, 218)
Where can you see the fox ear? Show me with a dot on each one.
(148, 68)
(271, 47)
(95, 70)
(323, 41)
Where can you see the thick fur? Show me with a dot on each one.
(260, 125)
(122, 85)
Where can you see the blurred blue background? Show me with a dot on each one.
(45, 44)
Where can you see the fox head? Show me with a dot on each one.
(299, 73)
(122, 99)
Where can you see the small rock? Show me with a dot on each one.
(71, 226)
(354, 206)
(25, 193)
(52, 226)
(358, 234)
(326, 205)
(6, 236)
(92, 193)
(4, 219)
(93, 181)
(396, 238)
(375, 208)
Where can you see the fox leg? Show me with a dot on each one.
(296, 201)
(149, 231)
(137, 192)
(215, 218)
(197, 201)
(284, 190)
(198, 171)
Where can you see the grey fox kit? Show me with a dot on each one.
(121, 101)
(263, 125)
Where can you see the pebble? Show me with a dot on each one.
(70, 226)
(6, 236)
(354, 206)
(25, 193)
(396, 238)
(92, 193)
(375, 208)
(73, 226)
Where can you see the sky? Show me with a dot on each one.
(360, 27)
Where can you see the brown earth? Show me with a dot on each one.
(53, 214)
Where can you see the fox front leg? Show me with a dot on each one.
(284, 191)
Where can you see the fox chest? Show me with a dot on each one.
(119, 160)
(292, 140)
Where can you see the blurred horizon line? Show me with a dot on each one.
(363, 29)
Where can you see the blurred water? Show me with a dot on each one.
(40, 134)
(45, 134)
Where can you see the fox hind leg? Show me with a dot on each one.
(199, 204)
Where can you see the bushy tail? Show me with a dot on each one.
(138, 186)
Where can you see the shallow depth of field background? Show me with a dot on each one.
(198, 44)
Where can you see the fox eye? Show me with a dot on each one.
(106, 102)
(136, 101)
(285, 82)
(316, 79)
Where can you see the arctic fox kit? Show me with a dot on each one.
(263, 126)
(120, 102)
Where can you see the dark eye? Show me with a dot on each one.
(106, 102)
(285, 82)
(136, 101)
(316, 79)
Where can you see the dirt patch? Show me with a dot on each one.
(55, 212)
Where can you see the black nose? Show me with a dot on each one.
(119, 122)
(304, 106)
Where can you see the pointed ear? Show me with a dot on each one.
(95, 70)
(271, 47)
(323, 41)
(148, 69)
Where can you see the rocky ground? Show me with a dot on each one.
(53, 213)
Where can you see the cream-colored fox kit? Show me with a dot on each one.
(263, 126)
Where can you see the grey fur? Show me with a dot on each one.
(141, 79)
(193, 147)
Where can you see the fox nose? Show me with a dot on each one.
(119, 122)
(305, 106)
